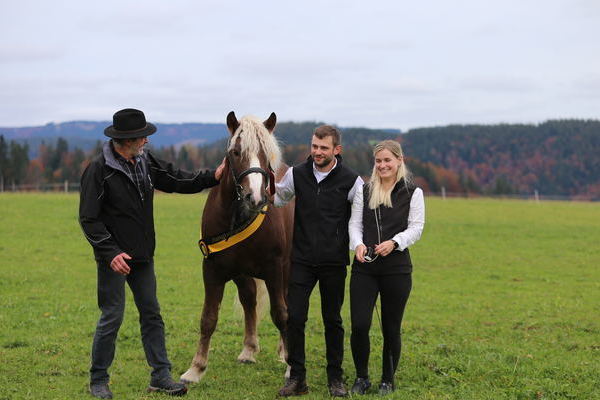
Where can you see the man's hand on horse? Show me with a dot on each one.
(219, 170)
(119, 265)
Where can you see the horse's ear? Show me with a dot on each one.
(232, 122)
(270, 122)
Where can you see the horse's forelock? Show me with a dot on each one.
(254, 136)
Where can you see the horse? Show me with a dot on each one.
(243, 197)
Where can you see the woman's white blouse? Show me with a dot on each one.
(416, 221)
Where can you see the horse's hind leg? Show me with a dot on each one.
(279, 313)
(213, 294)
(247, 294)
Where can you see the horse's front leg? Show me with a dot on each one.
(279, 315)
(213, 294)
(247, 293)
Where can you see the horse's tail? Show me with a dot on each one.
(262, 301)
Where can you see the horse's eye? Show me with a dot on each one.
(236, 153)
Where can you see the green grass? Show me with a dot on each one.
(505, 305)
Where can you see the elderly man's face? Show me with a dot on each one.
(136, 146)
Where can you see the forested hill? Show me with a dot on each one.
(555, 157)
(85, 134)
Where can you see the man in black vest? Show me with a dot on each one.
(116, 215)
(324, 190)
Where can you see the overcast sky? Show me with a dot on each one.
(380, 64)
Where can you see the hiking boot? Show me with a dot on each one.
(337, 388)
(167, 386)
(386, 388)
(100, 390)
(361, 385)
(293, 387)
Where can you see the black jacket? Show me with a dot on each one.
(115, 216)
(321, 215)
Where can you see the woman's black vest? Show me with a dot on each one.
(321, 215)
(391, 221)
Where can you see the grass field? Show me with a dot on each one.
(505, 305)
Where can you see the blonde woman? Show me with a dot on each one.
(387, 217)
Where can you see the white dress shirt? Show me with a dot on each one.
(416, 221)
(285, 192)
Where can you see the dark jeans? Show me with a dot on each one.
(111, 301)
(394, 291)
(331, 280)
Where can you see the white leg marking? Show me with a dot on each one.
(247, 356)
(192, 375)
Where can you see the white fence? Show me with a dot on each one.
(67, 186)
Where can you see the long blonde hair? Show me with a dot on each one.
(377, 194)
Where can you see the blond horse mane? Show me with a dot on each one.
(254, 137)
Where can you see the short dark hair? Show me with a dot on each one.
(327, 130)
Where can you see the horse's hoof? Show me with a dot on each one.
(189, 377)
(246, 361)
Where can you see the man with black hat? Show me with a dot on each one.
(115, 213)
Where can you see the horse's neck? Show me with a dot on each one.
(218, 210)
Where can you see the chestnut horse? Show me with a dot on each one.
(246, 188)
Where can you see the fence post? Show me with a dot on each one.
(443, 193)
(66, 185)
(536, 195)
(1, 183)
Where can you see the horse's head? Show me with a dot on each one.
(252, 154)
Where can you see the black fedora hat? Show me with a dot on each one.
(129, 124)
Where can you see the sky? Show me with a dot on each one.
(379, 64)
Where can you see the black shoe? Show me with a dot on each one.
(361, 385)
(293, 387)
(100, 390)
(386, 388)
(337, 388)
(168, 386)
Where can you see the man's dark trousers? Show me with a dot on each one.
(111, 300)
(303, 279)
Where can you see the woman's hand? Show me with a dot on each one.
(384, 248)
(360, 251)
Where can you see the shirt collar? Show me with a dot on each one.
(316, 171)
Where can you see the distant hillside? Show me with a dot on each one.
(300, 133)
(555, 157)
(85, 134)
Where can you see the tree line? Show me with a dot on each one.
(55, 163)
(555, 157)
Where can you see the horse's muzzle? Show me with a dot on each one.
(252, 206)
